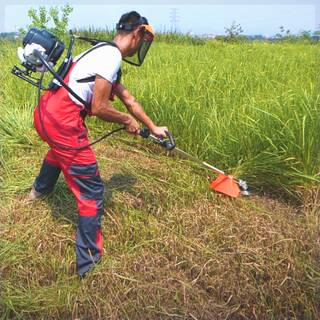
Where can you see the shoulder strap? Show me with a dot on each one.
(101, 44)
(93, 78)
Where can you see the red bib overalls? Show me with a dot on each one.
(64, 125)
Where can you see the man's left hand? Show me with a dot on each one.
(159, 132)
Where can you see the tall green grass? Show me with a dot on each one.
(252, 109)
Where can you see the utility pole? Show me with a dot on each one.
(174, 19)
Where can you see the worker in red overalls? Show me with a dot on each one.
(95, 77)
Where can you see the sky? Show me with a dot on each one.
(195, 19)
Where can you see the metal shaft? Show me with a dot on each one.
(242, 184)
(193, 158)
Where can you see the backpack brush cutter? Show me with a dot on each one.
(224, 183)
(41, 51)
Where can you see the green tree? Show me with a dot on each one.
(285, 35)
(234, 32)
(55, 19)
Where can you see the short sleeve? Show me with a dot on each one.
(107, 62)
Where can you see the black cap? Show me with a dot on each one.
(130, 20)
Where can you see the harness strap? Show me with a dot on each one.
(93, 78)
(84, 112)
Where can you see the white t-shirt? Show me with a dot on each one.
(104, 61)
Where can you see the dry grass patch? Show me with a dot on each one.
(173, 249)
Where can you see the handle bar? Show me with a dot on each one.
(168, 144)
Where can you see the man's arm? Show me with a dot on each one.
(137, 111)
(103, 109)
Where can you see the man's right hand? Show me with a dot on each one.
(132, 126)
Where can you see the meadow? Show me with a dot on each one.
(173, 248)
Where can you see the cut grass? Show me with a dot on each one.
(173, 249)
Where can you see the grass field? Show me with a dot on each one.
(173, 248)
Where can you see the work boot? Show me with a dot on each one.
(35, 195)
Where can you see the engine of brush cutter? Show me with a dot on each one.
(50, 47)
(38, 43)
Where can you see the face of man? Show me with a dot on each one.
(136, 38)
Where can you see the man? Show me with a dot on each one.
(59, 120)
